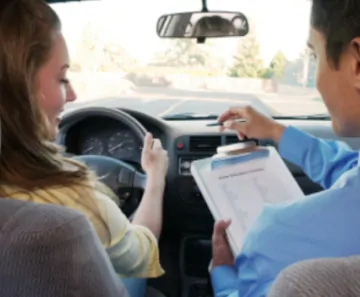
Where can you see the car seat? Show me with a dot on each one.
(325, 277)
(49, 250)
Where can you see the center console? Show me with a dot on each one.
(195, 250)
(187, 187)
(195, 257)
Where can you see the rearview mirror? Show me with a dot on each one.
(202, 25)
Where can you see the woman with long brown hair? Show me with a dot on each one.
(33, 90)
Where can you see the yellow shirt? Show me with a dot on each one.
(133, 249)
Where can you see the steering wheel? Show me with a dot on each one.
(122, 178)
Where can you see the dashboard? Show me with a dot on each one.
(185, 141)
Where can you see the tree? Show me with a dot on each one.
(88, 52)
(182, 52)
(277, 64)
(95, 54)
(276, 67)
(302, 71)
(311, 82)
(115, 57)
(247, 62)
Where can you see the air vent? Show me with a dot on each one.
(231, 139)
(204, 143)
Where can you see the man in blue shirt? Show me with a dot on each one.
(324, 224)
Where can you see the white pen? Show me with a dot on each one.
(222, 123)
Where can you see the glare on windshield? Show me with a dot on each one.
(118, 60)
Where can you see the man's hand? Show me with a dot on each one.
(257, 125)
(221, 251)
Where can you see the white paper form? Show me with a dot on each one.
(239, 191)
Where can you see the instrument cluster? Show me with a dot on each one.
(119, 144)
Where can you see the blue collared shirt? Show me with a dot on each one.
(325, 224)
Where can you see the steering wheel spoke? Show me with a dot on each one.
(139, 180)
(118, 175)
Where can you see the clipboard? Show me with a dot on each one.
(228, 178)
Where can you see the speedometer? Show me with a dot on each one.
(92, 146)
(122, 145)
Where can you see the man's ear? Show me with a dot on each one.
(355, 53)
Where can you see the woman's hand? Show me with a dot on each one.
(154, 159)
(256, 126)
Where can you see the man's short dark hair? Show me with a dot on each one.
(339, 22)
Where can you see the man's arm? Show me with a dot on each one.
(224, 281)
(223, 273)
(323, 161)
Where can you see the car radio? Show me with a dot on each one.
(184, 164)
(187, 187)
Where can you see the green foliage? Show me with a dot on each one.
(297, 73)
(87, 56)
(187, 55)
(115, 57)
(276, 67)
(277, 64)
(93, 54)
(182, 52)
(247, 62)
(267, 73)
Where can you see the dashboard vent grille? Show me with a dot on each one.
(204, 143)
(231, 139)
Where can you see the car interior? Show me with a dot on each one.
(185, 245)
(113, 146)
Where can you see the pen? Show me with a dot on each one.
(221, 123)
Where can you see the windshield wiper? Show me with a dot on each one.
(320, 117)
(190, 116)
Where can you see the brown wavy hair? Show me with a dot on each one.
(28, 159)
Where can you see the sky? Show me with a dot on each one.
(280, 24)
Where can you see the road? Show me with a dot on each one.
(165, 101)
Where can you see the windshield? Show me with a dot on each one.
(118, 60)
